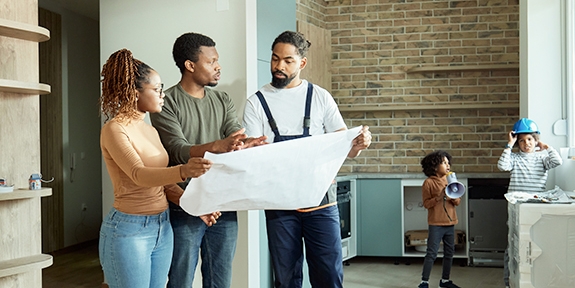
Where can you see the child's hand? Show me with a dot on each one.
(542, 146)
(511, 138)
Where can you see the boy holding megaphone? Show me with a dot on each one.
(441, 215)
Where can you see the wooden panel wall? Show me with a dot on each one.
(51, 142)
(318, 66)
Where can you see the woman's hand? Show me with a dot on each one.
(195, 167)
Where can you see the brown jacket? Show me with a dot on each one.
(434, 200)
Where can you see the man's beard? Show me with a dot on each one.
(281, 82)
(212, 84)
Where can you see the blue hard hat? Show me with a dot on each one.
(525, 125)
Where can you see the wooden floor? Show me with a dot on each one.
(77, 266)
(80, 267)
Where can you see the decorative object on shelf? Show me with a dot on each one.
(4, 188)
(35, 181)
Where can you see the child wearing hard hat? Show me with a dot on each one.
(528, 166)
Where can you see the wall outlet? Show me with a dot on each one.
(84, 207)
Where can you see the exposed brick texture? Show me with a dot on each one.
(374, 43)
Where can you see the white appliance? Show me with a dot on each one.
(541, 245)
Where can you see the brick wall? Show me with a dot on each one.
(374, 43)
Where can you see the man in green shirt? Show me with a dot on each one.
(196, 119)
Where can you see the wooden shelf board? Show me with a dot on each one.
(24, 264)
(23, 31)
(463, 68)
(25, 193)
(12, 86)
(368, 108)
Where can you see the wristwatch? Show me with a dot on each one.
(507, 146)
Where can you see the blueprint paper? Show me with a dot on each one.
(285, 175)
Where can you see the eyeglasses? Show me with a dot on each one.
(158, 90)
(161, 89)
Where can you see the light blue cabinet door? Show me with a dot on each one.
(379, 217)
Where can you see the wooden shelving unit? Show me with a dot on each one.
(25, 193)
(30, 33)
(11, 86)
(439, 69)
(21, 259)
(24, 264)
(23, 31)
(372, 108)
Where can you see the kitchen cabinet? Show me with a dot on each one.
(379, 217)
(414, 217)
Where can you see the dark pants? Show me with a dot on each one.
(320, 231)
(435, 236)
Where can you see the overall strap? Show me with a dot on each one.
(306, 117)
(271, 120)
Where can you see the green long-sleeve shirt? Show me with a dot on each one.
(186, 121)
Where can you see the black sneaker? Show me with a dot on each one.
(448, 284)
(423, 285)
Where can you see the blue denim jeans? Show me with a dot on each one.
(320, 231)
(136, 250)
(435, 236)
(217, 245)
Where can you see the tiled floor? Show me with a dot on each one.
(371, 272)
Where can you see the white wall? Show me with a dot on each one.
(541, 80)
(149, 28)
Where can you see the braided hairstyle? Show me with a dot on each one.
(296, 39)
(432, 160)
(122, 76)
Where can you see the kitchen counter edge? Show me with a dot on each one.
(350, 176)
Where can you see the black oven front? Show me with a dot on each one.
(344, 207)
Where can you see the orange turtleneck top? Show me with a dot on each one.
(136, 162)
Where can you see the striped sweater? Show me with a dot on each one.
(528, 170)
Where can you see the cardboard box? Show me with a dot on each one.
(416, 237)
(419, 237)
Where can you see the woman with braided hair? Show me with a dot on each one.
(136, 238)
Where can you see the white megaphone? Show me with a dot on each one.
(454, 188)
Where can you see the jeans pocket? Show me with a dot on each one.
(127, 229)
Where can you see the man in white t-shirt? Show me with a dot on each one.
(285, 109)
